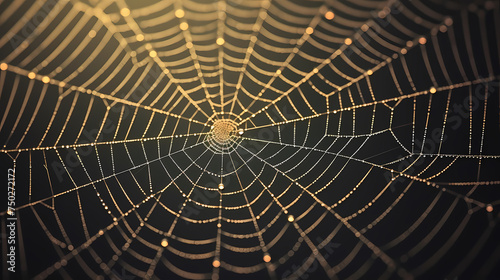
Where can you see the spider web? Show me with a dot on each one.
(242, 139)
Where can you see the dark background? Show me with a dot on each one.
(443, 230)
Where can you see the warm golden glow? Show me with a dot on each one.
(222, 131)
(164, 242)
(125, 12)
(184, 26)
(244, 95)
(220, 41)
(329, 15)
(222, 136)
(179, 13)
